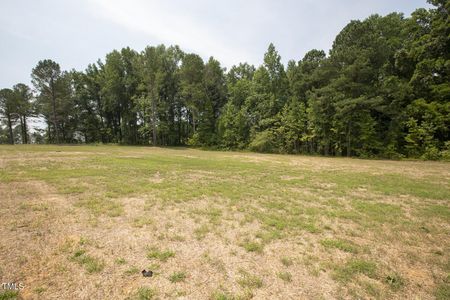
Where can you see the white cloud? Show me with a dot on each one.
(170, 25)
(78, 32)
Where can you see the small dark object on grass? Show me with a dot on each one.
(147, 273)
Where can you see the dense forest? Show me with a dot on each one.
(383, 90)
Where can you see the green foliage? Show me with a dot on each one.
(445, 153)
(382, 91)
(264, 141)
(8, 106)
(293, 125)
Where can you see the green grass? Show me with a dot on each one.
(388, 184)
(395, 281)
(266, 236)
(345, 246)
(177, 277)
(378, 212)
(132, 270)
(286, 261)
(9, 295)
(443, 291)
(162, 255)
(142, 221)
(121, 261)
(248, 280)
(219, 295)
(437, 211)
(145, 293)
(335, 206)
(100, 206)
(353, 267)
(201, 232)
(90, 263)
(285, 276)
(40, 290)
(252, 246)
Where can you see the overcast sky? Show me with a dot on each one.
(76, 33)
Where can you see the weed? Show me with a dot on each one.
(121, 261)
(162, 255)
(9, 295)
(131, 271)
(90, 263)
(443, 291)
(177, 277)
(142, 221)
(40, 290)
(285, 276)
(353, 267)
(345, 246)
(286, 261)
(201, 232)
(252, 246)
(219, 295)
(395, 281)
(249, 280)
(145, 293)
(102, 206)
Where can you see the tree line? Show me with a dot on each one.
(382, 91)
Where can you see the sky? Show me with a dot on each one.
(75, 33)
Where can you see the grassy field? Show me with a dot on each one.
(81, 222)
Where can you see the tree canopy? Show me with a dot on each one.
(382, 91)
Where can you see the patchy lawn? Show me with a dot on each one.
(83, 221)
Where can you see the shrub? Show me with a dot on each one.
(263, 142)
(445, 153)
(431, 153)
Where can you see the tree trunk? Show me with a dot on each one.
(119, 120)
(327, 148)
(188, 125)
(63, 132)
(52, 86)
(49, 132)
(154, 121)
(11, 137)
(193, 121)
(349, 150)
(21, 129)
(25, 130)
(179, 125)
(102, 122)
